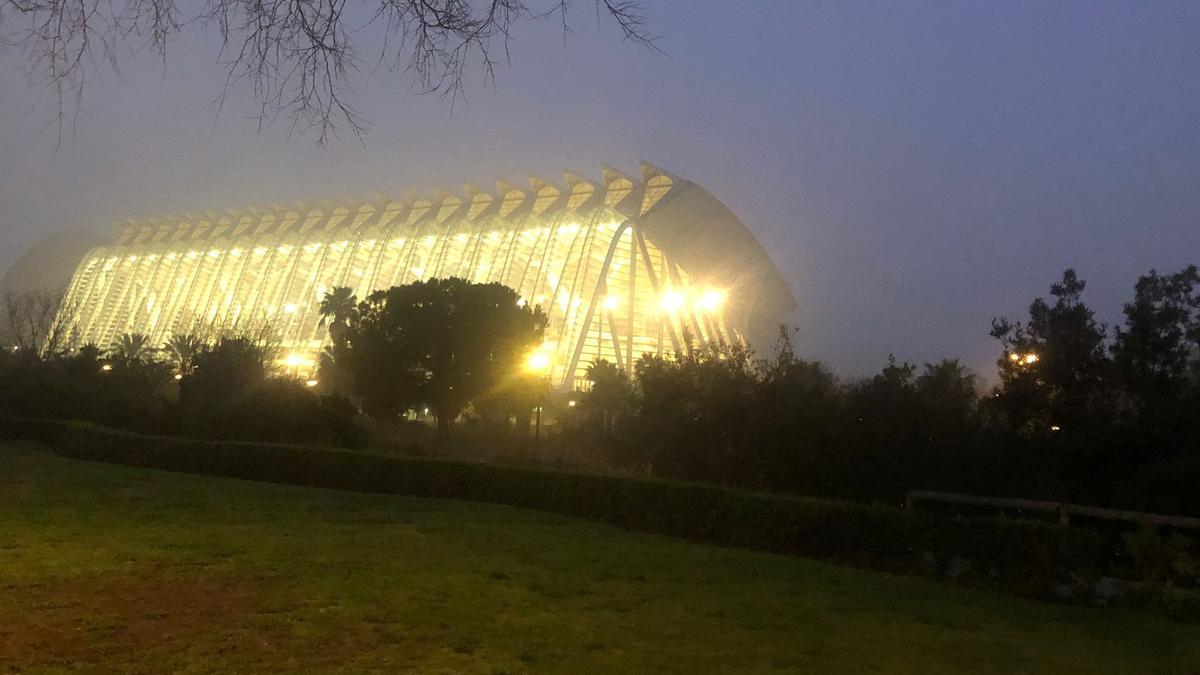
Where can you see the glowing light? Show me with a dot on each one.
(1055, 427)
(106, 367)
(671, 301)
(310, 383)
(571, 403)
(611, 302)
(178, 376)
(711, 300)
(236, 252)
(295, 360)
(290, 308)
(521, 302)
(538, 362)
(1028, 358)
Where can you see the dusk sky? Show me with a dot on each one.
(914, 170)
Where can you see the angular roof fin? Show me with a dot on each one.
(584, 193)
(657, 184)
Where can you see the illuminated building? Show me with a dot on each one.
(621, 267)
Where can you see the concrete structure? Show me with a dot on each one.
(622, 267)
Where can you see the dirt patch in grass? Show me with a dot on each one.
(85, 619)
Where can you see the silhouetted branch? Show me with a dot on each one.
(297, 55)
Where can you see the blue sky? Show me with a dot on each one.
(913, 168)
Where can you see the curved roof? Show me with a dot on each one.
(709, 241)
(697, 231)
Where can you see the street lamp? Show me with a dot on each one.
(538, 364)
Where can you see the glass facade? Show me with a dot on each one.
(578, 251)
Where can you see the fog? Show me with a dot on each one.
(913, 170)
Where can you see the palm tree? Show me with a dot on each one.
(130, 349)
(181, 350)
(609, 394)
(336, 308)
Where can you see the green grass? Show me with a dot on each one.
(106, 568)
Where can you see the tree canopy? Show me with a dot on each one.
(442, 343)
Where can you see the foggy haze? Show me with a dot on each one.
(912, 170)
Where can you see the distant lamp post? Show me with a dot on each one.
(538, 364)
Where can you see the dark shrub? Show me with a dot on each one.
(1027, 557)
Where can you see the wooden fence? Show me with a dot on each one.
(1064, 511)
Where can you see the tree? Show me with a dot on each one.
(1159, 345)
(1054, 369)
(697, 413)
(37, 321)
(947, 398)
(182, 350)
(799, 428)
(337, 306)
(441, 343)
(297, 56)
(130, 350)
(610, 395)
(1157, 357)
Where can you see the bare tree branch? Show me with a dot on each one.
(297, 55)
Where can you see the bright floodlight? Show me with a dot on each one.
(671, 301)
(1031, 358)
(538, 362)
(611, 302)
(711, 300)
(294, 360)
(310, 383)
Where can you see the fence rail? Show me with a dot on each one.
(1063, 510)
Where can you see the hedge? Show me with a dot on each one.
(1029, 558)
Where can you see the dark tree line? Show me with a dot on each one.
(224, 384)
(1080, 412)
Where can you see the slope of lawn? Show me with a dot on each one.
(107, 568)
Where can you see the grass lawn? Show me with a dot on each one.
(107, 568)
